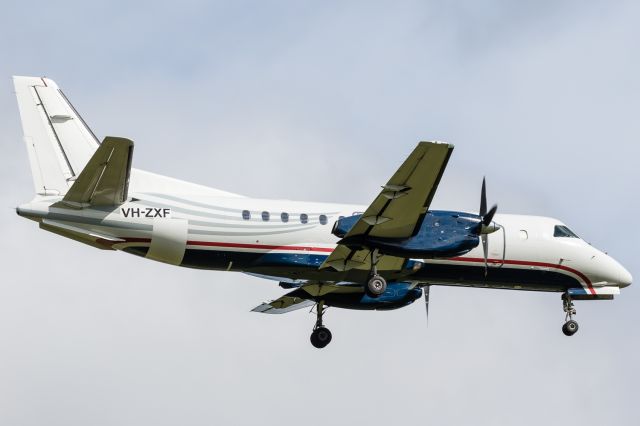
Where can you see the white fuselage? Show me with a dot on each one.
(289, 240)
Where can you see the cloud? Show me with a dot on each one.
(323, 101)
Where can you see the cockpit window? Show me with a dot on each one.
(563, 232)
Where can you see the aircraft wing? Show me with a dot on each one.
(104, 180)
(283, 305)
(303, 297)
(344, 258)
(398, 211)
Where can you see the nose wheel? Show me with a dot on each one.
(320, 336)
(570, 326)
(376, 284)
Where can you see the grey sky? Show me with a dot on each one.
(323, 100)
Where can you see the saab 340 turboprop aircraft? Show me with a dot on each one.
(382, 256)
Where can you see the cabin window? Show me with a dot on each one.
(284, 217)
(304, 218)
(246, 214)
(524, 235)
(265, 216)
(563, 232)
(323, 219)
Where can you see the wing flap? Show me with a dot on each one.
(303, 297)
(344, 258)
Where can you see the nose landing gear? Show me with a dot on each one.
(320, 336)
(570, 326)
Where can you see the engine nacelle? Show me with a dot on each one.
(441, 234)
(342, 226)
(397, 295)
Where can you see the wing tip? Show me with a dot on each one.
(262, 307)
(117, 140)
(436, 142)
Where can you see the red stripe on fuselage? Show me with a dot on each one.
(528, 263)
(329, 250)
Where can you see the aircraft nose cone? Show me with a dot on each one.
(625, 277)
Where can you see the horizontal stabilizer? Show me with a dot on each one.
(105, 179)
(82, 235)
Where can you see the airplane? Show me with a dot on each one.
(382, 256)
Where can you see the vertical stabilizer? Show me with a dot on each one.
(58, 141)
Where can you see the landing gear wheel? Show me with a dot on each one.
(570, 328)
(376, 286)
(320, 337)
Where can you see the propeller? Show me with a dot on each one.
(425, 290)
(486, 217)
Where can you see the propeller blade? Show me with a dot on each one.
(483, 199)
(425, 289)
(485, 251)
(488, 217)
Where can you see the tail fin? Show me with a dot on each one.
(58, 140)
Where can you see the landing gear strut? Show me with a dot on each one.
(376, 284)
(320, 336)
(570, 326)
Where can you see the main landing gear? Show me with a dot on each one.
(570, 326)
(320, 336)
(376, 284)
